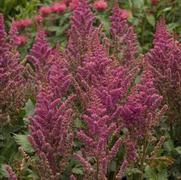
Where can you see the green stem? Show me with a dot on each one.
(143, 158)
(97, 173)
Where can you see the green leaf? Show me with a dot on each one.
(168, 145)
(178, 149)
(138, 79)
(3, 170)
(23, 141)
(29, 108)
(150, 173)
(172, 26)
(113, 166)
(138, 3)
(131, 171)
(167, 9)
(163, 175)
(151, 19)
(78, 123)
(77, 170)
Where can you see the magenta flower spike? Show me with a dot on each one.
(80, 31)
(40, 57)
(10, 172)
(95, 139)
(12, 83)
(124, 39)
(51, 132)
(143, 103)
(165, 61)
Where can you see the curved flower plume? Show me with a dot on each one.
(2, 28)
(162, 35)
(15, 38)
(11, 174)
(81, 29)
(4, 46)
(124, 39)
(96, 154)
(12, 91)
(40, 57)
(115, 87)
(51, 125)
(98, 70)
(59, 78)
(165, 62)
(13, 34)
(95, 62)
(140, 112)
(52, 135)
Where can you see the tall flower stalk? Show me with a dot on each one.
(12, 82)
(165, 62)
(124, 40)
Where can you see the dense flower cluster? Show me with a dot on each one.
(96, 140)
(11, 74)
(57, 7)
(81, 29)
(165, 62)
(40, 58)
(10, 172)
(140, 111)
(154, 2)
(104, 87)
(73, 4)
(124, 39)
(23, 23)
(52, 135)
(100, 5)
(51, 125)
(95, 106)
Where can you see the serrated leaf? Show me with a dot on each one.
(22, 140)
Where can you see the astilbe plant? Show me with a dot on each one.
(124, 40)
(96, 155)
(47, 66)
(12, 82)
(11, 174)
(51, 133)
(80, 31)
(40, 58)
(51, 125)
(112, 101)
(141, 114)
(94, 77)
(119, 116)
(112, 107)
(140, 110)
(58, 77)
(165, 62)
